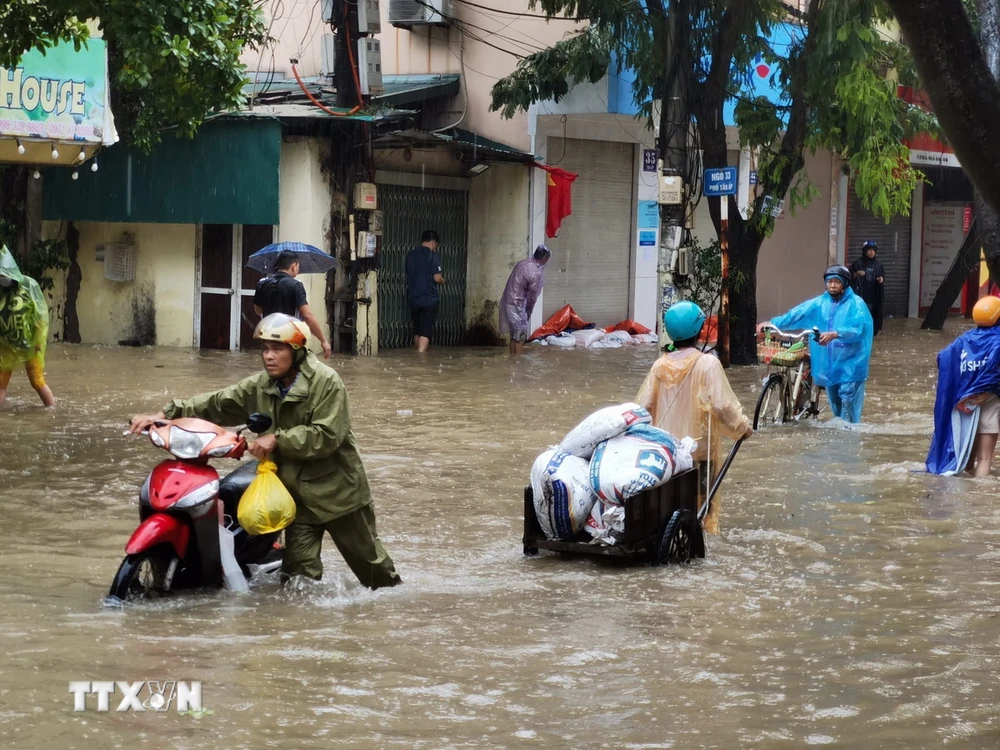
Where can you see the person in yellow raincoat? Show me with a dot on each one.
(24, 328)
(688, 395)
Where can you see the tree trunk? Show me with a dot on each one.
(989, 19)
(951, 287)
(989, 230)
(957, 78)
(743, 301)
(71, 321)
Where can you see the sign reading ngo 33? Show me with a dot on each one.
(61, 95)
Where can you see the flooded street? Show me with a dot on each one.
(850, 601)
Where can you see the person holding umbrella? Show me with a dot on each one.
(283, 292)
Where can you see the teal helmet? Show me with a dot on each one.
(683, 321)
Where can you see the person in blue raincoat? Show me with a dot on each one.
(967, 409)
(839, 360)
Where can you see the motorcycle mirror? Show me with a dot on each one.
(259, 423)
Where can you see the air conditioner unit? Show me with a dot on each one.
(406, 13)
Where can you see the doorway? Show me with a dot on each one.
(225, 317)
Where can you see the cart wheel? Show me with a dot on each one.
(681, 539)
(530, 551)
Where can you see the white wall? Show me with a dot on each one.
(498, 238)
(305, 198)
(604, 127)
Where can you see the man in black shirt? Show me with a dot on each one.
(283, 293)
(423, 277)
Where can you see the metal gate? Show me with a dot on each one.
(893, 251)
(408, 212)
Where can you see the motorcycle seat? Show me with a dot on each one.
(233, 485)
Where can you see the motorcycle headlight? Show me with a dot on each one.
(188, 445)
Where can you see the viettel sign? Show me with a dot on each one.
(61, 95)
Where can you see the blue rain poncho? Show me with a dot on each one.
(844, 359)
(970, 365)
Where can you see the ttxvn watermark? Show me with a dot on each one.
(146, 695)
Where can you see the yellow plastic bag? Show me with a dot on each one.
(266, 506)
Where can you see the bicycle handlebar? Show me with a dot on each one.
(794, 336)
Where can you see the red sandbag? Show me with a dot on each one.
(629, 326)
(564, 319)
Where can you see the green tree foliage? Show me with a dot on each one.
(839, 79)
(172, 63)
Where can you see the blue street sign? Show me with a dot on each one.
(720, 181)
(649, 159)
(753, 177)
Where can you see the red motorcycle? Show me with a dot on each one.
(183, 508)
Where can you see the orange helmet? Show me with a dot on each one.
(986, 313)
(286, 329)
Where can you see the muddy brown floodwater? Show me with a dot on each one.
(850, 601)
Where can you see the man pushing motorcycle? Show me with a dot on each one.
(313, 446)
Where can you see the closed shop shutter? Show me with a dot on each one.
(408, 212)
(591, 257)
(893, 241)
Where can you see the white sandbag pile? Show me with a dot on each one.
(613, 455)
(642, 458)
(562, 492)
(602, 425)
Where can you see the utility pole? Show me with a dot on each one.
(673, 137)
(345, 70)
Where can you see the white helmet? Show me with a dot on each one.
(283, 328)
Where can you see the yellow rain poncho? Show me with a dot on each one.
(688, 395)
(24, 317)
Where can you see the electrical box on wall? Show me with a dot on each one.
(671, 190)
(328, 55)
(365, 196)
(367, 244)
(369, 19)
(370, 66)
(377, 222)
(119, 260)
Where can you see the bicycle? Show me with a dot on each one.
(788, 393)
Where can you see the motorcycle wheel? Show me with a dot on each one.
(142, 576)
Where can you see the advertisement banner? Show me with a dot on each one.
(59, 96)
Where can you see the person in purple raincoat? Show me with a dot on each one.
(520, 295)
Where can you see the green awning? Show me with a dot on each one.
(227, 174)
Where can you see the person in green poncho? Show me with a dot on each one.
(24, 328)
(313, 445)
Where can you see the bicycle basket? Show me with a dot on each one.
(780, 351)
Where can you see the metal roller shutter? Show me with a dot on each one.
(591, 257)
(408, 212)
(893, 251)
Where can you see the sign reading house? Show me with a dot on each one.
(59, 96)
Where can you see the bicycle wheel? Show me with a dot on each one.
(770, 409)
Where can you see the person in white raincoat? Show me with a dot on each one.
(688, 395)
(520, 295)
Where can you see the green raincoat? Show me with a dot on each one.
(317, 458)
(24, 317)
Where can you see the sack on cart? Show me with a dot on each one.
(642, 458)
(602, 425)
(563, 496)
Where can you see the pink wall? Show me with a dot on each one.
(429, 49)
